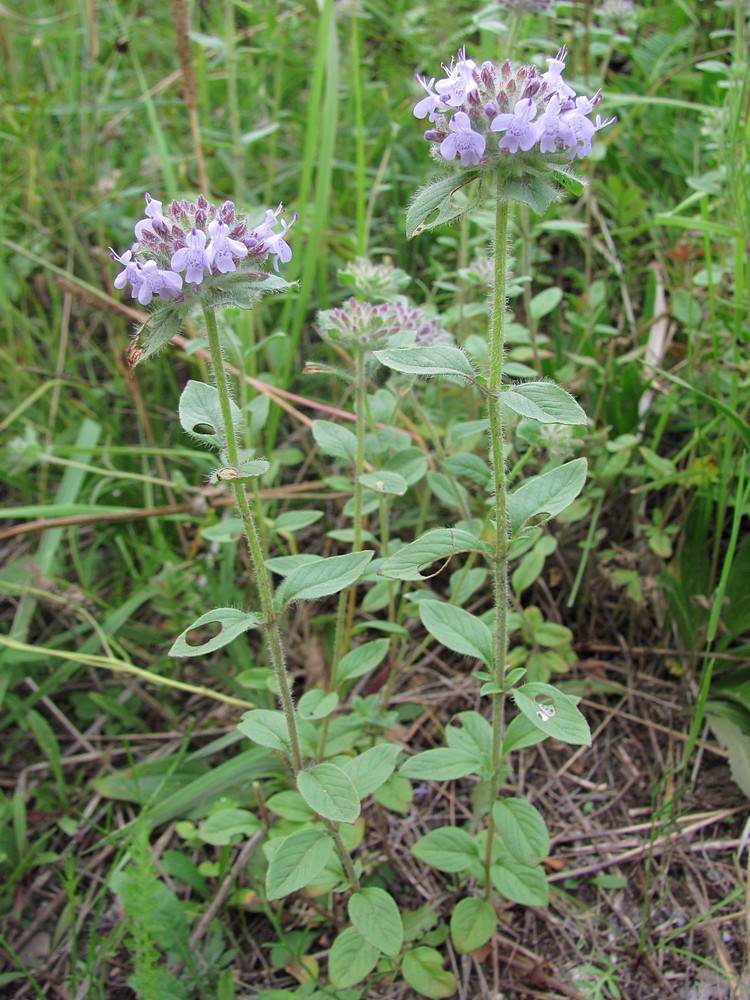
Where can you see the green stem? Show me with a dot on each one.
(271, 633)
(500, 559)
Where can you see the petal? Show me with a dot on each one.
(179, 259)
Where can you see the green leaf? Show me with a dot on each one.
(521, 733)
(441, 543)
(546, 301)
(457, 629)
(338, 442)
(200, 413)
(737, 744)
(442, 764)
(317, 704)
(532, 190)
(297, 860)
(568, 181)
(329, 791)
(374, 913)
(267, 728)
(395, 794)
(522, 830)
(423, 970)
(296, 520)
(232, 622)
(553, 713)
(448, 848)
(248, 470)
(549, 493)
(223, 826)
(437, 360)
(350, 959)
(435, 202)
(475, 736)
(543, 401)
(290, 805)
(321, 578)
(473, 923)
(384, 482)
(362, 659)
(371, 769)
(520, 883)
(165, 321)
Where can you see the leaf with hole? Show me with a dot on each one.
(553, 713)
(232, 622)
(200, 413)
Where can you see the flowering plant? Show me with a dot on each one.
(514, 123)
(219, 254)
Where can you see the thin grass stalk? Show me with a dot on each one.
(271, 632)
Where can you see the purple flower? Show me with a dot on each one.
(222, 247)
(430, 105)
(462, 141)
(275, 242)
(460, 81)
(520, 130)
(155, 281)
(193, 257)
(154, 213)
(553, 77)
(552, 128)
(580, 125)
(132, 272)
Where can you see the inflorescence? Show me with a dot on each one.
(388, 324)
(484, 114)
(196, 239)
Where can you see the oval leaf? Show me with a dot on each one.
(520, 883)
(266, 728)
(362, 659)
(442, 764)
(553, 713)
(473, 923)
(322, 577)
(548, 494)
(350, 959)
(436, 360)
(423, 971)
(297, 860)
(449, 849)
(543, 401)
(329, 792)
(385, 482)
(457, 629)
(371, 769)
(200, 412)
(338, 442)
(434, 202)
(232, 622)
(374, 913)
(441, 543)
(522, 830)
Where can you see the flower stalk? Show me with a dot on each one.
(271, 633)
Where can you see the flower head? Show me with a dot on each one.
(531, 116)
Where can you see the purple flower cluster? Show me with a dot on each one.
(388, 324)
(481, 114)
(195, 239)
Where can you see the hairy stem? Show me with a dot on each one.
(271, 633)
(500, 558)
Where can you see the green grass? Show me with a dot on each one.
(311, 105)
